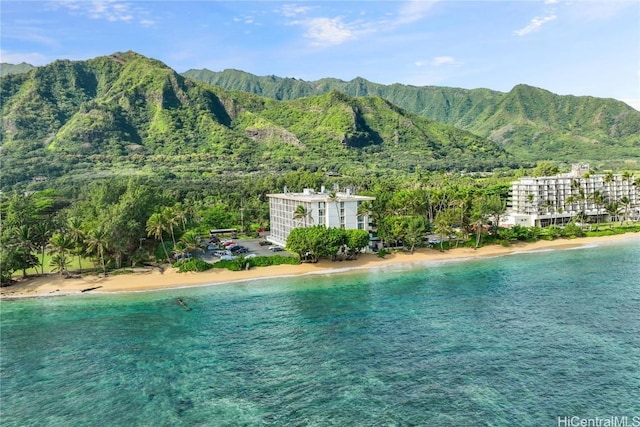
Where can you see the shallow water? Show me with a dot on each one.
(514, 340)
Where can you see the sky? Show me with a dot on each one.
(577, 47)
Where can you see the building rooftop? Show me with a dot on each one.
(310, 195)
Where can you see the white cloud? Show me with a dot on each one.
(438, 61)
(414, 10)
(249, 20)
(292, 10)
(110, 10)
(443, 60)
(536, 23)
(328, 31)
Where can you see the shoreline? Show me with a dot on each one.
(153, 279)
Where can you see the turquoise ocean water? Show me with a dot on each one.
(518, 340)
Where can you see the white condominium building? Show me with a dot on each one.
(319, 208)
(557, 199)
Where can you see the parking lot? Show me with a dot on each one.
(253, 246)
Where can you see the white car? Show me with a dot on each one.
(227, 258)
(251, 256)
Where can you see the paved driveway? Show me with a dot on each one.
(253, 245)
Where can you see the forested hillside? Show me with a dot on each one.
(531, 123)
(128, 114)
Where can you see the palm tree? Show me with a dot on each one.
(25, 237)
(414, 230)
(333, 198)
(560, 210)
(98, 243)
(180, 212)
(156, 226)
(462, 208)
(614, 211)
(598, 200)
(581, 198)
(628, 177)
(59, 263)
(180, 249)
(60, 245)
(443, 226)
(302, 213)
(626, 202)
(530, 197)
(608, 177)
(77, 237)
(480, 215)
(171, 220)
(495, 208)
(42, 234)
(548, 205)
(190, 241)
(25, 241)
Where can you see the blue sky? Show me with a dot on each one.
(577, 47)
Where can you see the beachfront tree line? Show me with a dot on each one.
(318, 241)
(113, 223)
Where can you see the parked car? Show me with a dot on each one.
(228, 243)
(264, 243)
(275, 248)
(221, 253)
(227, 257)
(240, 250)
(250, 255)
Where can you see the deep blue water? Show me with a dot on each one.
(510, 341)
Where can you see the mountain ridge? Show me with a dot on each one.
(127, 109)
(532, 123)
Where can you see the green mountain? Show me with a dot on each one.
(532, 123)
(6, 69)
(125, 113)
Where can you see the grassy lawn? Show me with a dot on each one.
(74, 265)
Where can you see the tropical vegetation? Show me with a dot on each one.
(113, 224)
(120, 161)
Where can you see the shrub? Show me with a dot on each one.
(259, 261)
(230, 264)
(573, 230)
(193, 264)
(265, 261)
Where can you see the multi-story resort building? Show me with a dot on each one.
(556, 200)
(338, 209)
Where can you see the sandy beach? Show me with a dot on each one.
(154, 279)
